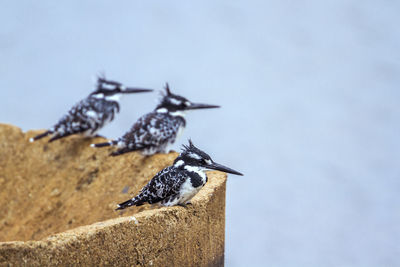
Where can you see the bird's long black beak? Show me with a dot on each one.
(222, 168)
(131, 90)
(201, 106)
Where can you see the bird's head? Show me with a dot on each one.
(176, 104)
(194, 158)
(112, 90)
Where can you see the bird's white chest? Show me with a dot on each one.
(187, 191)
(170, 144)
(180, 131)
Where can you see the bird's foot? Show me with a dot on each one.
(185, 205)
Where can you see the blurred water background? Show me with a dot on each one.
(310, 113)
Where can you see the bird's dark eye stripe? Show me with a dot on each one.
(109, 92)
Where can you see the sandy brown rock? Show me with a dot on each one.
(48, 188)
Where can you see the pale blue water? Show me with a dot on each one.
(310, 113)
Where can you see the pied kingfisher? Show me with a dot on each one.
(89, 115)
(179, 183)
(156, 131)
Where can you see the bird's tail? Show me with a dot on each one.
(136, 201)
(110, 143)
(40, 136)
(123, 150)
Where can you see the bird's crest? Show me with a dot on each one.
(101, 78)
(164, 93)
(167, 88)
(193, 152)
(188, 147)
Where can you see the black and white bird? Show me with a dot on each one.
(156, 131)
(179, 183)
(89, 115)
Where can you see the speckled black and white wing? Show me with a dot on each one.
(164, 186)
(152, 133)
(86, 117)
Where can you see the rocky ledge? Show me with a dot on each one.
(58, 199)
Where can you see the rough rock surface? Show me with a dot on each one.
(49, 188)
